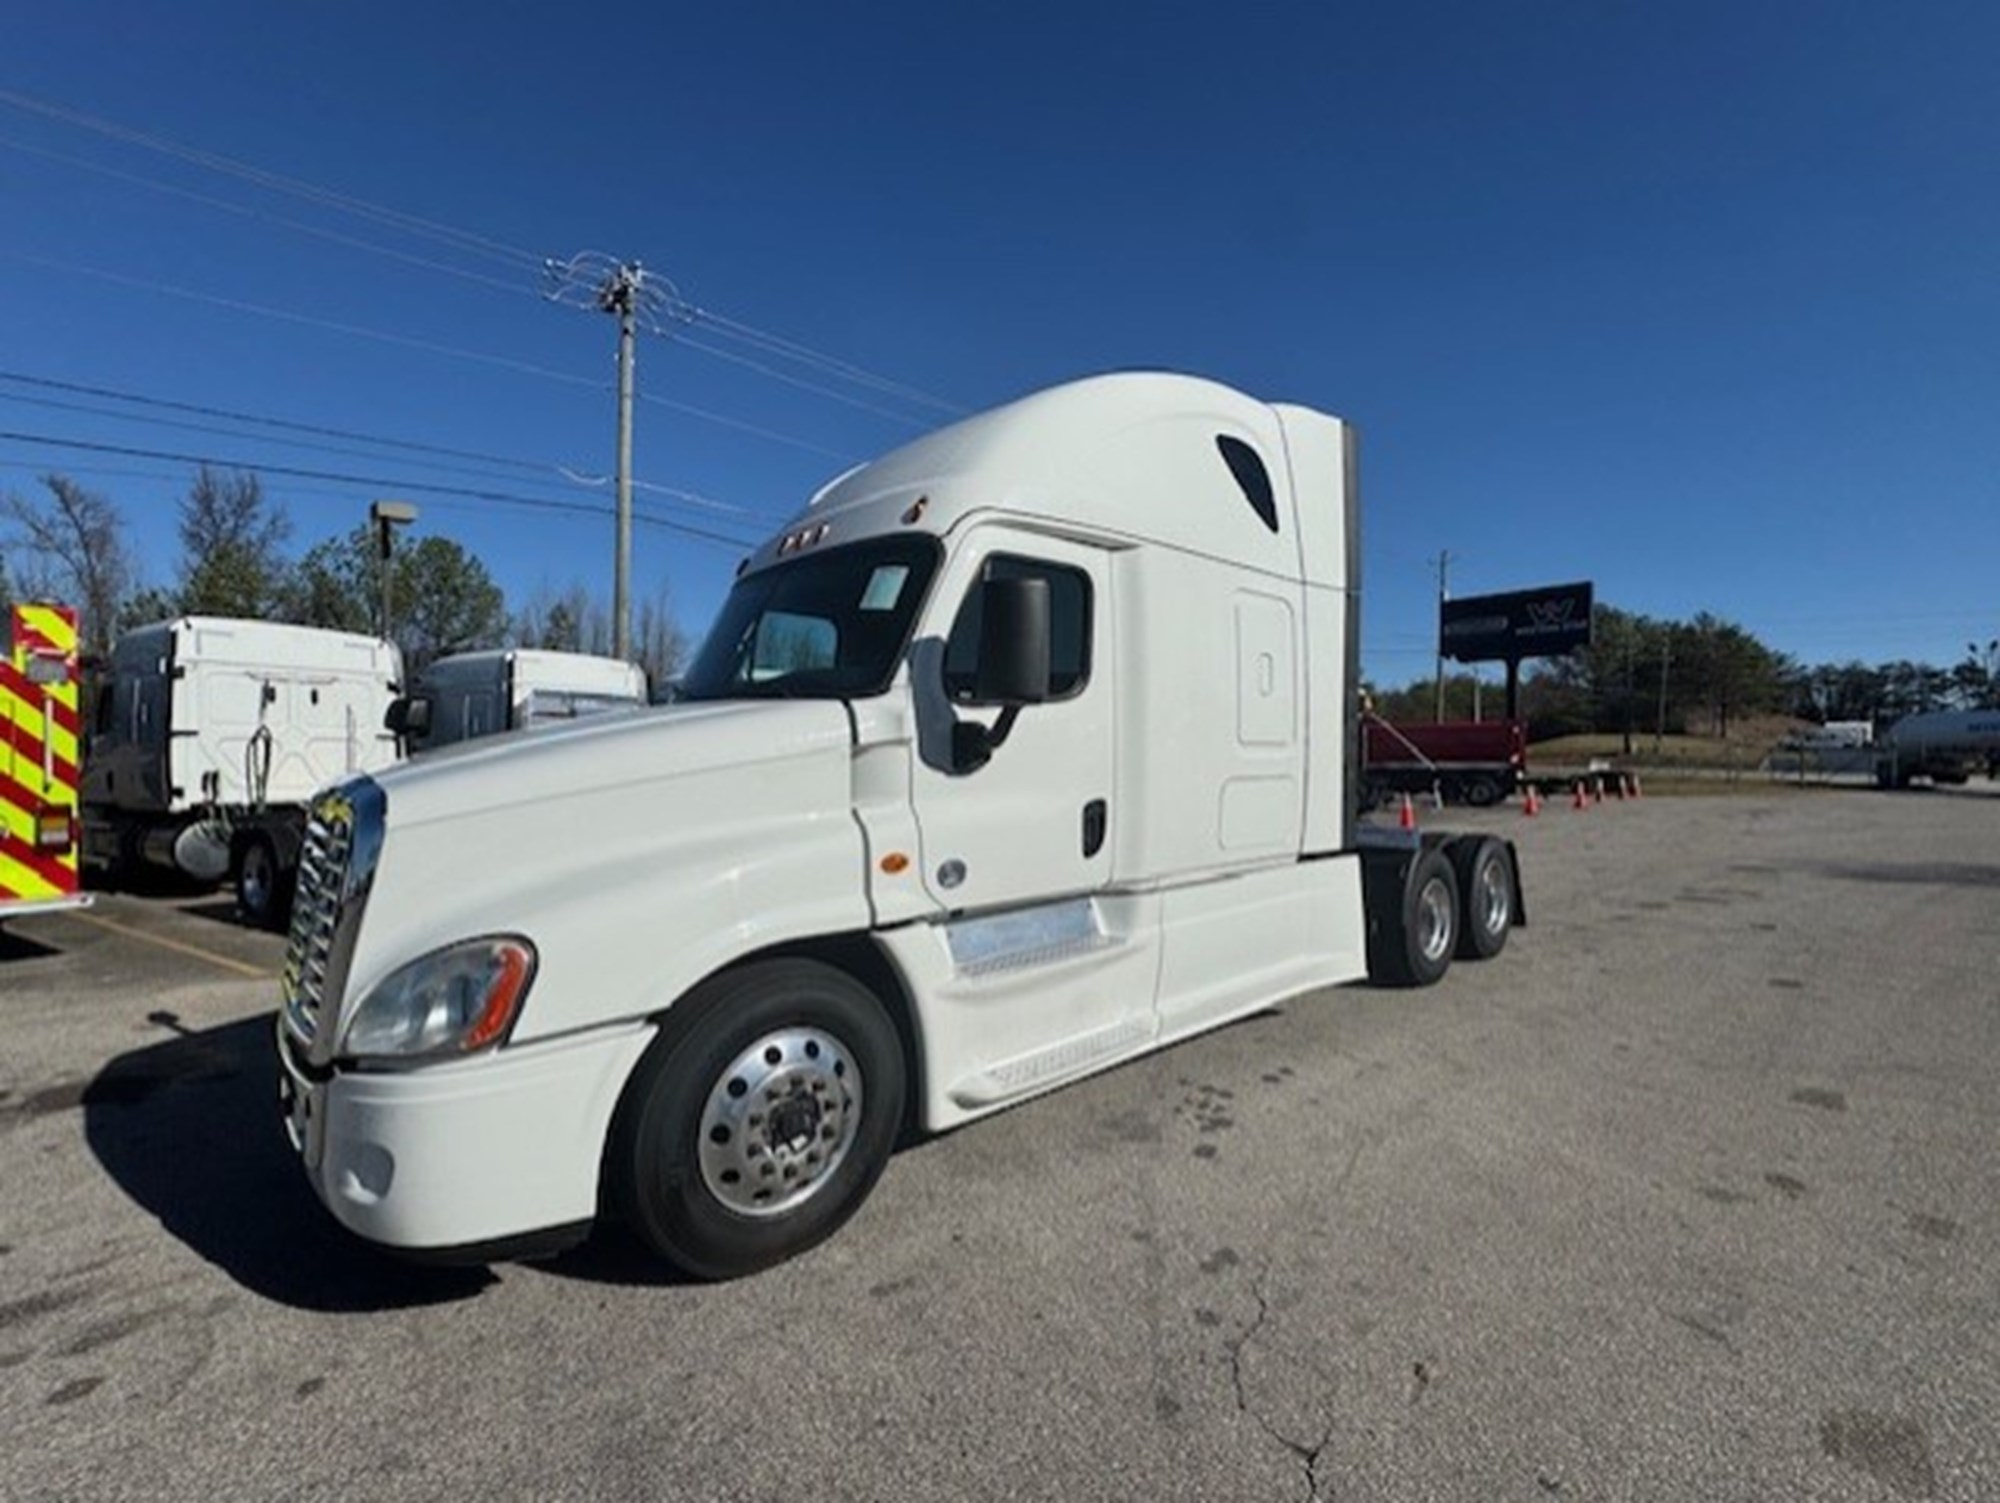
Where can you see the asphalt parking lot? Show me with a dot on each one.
(1691, 1194)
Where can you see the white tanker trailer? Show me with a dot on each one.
(1946, 746)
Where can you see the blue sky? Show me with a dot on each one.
(1699, 301)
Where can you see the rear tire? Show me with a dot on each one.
(1486, 899)
(1480, 792)
(760, 1119)
(1418, 951)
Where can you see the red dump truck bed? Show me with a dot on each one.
(1467, 761)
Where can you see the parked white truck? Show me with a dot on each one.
(1020, 752)
(211, 733)
(472, 694)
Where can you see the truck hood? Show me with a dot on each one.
(637, 852)
(610, 755)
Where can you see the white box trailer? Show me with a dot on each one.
(472, 694)
(211, 734)
(1020, 752)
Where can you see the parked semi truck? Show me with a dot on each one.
(1944, 746)
(1024, 750)
(472, 694)
(1476, 762)
(212, 733)
(39, 833)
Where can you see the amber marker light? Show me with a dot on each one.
(512, 965)
(895, 863)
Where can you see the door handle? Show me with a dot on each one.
(1095, 818)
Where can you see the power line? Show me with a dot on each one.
(463, 241)
(799, 381)
(300, 226)
(792, 349)
(412, 224)
(377, 482)
(292, 492)
(431, 347)
(531, 466)
(50, 383)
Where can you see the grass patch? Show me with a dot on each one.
(1744, 750)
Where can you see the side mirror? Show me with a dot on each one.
(1013, 667)
(409, 717)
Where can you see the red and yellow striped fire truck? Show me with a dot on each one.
(40, 749)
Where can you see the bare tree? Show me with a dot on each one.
(575, 620)
(658, 644)
(76, 540)
(232, 546)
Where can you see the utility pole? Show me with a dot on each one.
(619, 295)
(1666, 657)
(625, 290)
(1444, 594)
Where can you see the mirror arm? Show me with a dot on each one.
(972, 743)
(1003, 727)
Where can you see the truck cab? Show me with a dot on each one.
(1017, 753)
(466, 695)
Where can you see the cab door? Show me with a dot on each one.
(1033, 822)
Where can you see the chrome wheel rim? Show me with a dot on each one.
(779, 1121)
(256, 880)
(1495, 904)
(1434, 917)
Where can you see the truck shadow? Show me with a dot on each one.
(189, 1129)
(1913, 873)
(225, 912)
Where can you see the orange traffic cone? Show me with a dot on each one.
(1532, 804)
(1408, 818)
(1581, 800)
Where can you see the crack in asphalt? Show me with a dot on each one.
(1308, 1455)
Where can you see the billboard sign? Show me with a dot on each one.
(1539, 623)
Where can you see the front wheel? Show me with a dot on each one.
(761, 1118)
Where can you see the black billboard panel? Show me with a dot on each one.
(1540, 623)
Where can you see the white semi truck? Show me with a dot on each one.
(472, 694)
(211, 733)
(1022, 751)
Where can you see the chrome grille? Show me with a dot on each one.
(336, 866)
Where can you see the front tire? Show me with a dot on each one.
(760, 1119)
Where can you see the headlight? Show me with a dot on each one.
(453, 1001)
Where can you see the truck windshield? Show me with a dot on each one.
(826, 625)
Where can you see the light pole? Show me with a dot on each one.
(385, 517)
